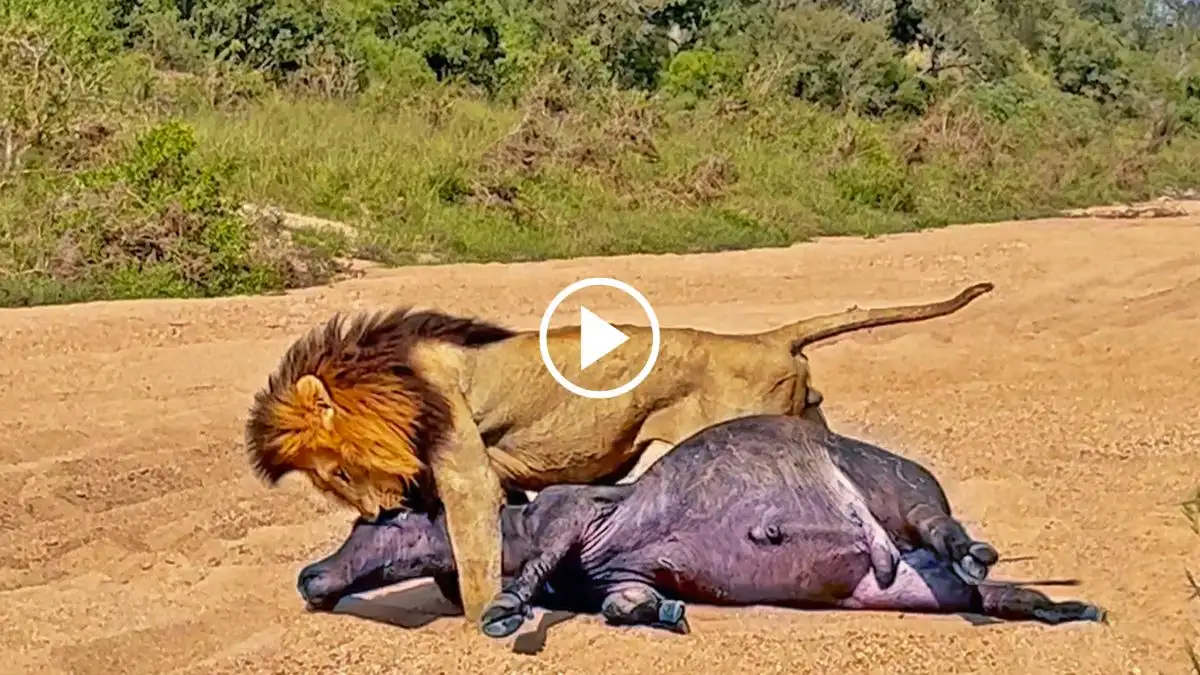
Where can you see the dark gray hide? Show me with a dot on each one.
(757, 510)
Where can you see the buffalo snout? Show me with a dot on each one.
(320, 587)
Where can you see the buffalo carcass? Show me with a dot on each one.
(757, 510)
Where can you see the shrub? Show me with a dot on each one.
(157, 223)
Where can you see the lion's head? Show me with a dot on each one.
(347, 407)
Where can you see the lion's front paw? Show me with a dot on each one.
(504, 615)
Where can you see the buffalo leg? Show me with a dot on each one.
(638, 604)
(508, 610)
(938, 530)
(927, 583)
(1016, 603)
(565, 515)
(910, 503)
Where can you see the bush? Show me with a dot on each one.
(155, 223)
(701, 73)
(55, 60)
(1087, 59)
(870, 172)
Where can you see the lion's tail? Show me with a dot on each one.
(825, 326)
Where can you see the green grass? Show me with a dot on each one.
(445, 175)
(457, 179)
(448, 178)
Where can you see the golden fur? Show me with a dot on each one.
(426, 410)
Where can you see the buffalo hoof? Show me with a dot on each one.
(970, 571)
(672, 616)
(1064, 612)
(504, 616)
(973, 568)
(984, 553)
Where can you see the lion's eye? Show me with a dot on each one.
(341, 475)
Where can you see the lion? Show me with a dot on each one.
(424, 411)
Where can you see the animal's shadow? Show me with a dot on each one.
(412, 604)
(418, 603)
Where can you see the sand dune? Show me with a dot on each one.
(1060, 412)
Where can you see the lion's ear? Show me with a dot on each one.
(313, 391)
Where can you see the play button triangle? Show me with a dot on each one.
(597, 337)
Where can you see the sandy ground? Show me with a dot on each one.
(1060, 412)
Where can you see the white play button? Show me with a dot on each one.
(597, 337)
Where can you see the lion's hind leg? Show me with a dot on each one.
(806, 399)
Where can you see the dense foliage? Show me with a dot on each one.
(132, 130)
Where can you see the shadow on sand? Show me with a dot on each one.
(412, 604)
(418, 603)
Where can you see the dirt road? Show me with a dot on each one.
(1060, 411)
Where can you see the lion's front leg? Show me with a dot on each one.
(468, 488)
(471, 495)
(447, 583)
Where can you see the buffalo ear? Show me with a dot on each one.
(312, 391)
